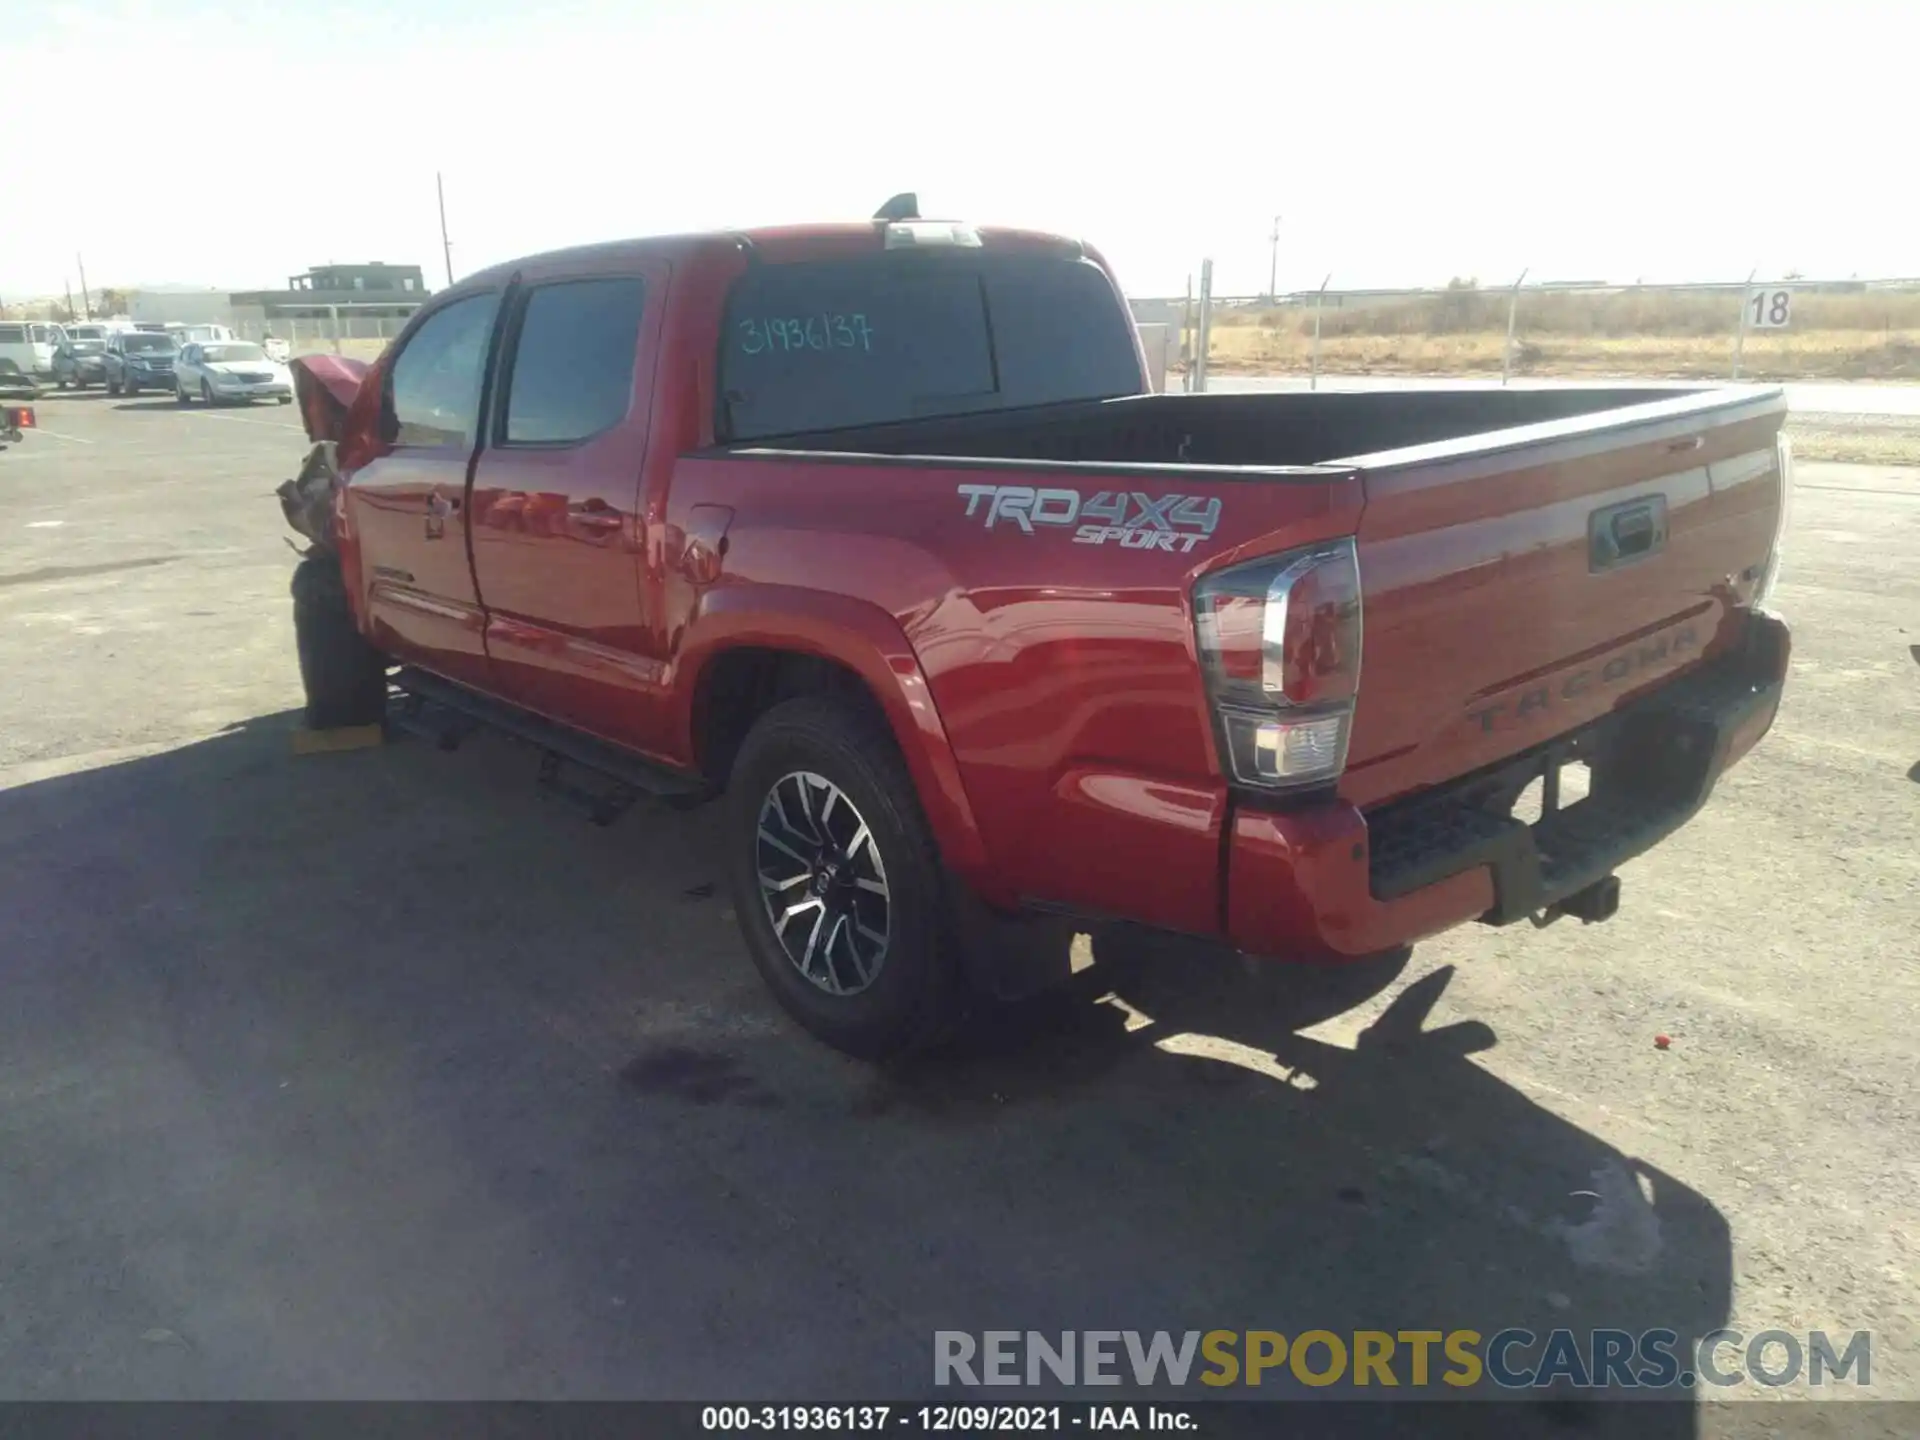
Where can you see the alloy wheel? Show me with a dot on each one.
(823, 882)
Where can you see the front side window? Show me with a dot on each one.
(434, 396)
(572, 373)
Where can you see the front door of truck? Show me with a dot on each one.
(558, 530)
(407, 508)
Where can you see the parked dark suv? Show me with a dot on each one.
(139, 360)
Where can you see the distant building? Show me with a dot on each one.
(185, 307)
(374, 291)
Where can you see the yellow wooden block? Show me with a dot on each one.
(347, 737)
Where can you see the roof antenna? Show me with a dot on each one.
(904, 206)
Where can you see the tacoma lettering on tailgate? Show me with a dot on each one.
(1133, 520)
(1656, 652)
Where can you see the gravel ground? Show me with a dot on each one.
(1857, 439)
(376, 1074)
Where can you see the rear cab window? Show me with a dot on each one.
(899, 335)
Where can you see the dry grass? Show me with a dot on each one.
(1867, 336)
(1801, 355)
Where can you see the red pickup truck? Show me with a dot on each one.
(873, 531)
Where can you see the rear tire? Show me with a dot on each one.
(883, 998)
(345, 678)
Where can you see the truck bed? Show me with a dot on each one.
(1506, 601)
(1264, 430)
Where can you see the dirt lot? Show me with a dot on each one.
(379, 1074)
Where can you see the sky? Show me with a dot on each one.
(232, 145)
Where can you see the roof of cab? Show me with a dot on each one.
(774, 242)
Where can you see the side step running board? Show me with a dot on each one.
(632, 776)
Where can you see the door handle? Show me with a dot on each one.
(1633, 530)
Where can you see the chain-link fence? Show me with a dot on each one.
(359, 337)
(1790, 329)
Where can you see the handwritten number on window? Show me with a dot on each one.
(823, 332)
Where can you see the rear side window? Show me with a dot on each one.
(823, 345)
(13, 334)
(434, 397)
(572, 370)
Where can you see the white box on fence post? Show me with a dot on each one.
(1156, 340)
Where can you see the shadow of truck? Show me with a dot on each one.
(373, 1074)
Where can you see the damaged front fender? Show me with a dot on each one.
(325, 386)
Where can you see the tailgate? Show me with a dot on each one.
(1521, 584)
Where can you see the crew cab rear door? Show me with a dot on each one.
(407, 507)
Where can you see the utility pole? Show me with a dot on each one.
(86, 300)
(446, 248)
(1273, 269)
(69, 285)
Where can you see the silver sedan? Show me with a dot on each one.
(225, 370)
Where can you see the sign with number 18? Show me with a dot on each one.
(1769, 309)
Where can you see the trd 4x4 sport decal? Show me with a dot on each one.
(1124, 517)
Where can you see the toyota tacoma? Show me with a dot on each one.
(874, 533)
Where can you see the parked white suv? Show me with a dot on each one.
(185, 334)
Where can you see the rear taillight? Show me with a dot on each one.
(1770, 572)
(1279, 644)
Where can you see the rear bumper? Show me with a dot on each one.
(1329, 881)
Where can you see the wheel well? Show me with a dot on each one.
(740, 686)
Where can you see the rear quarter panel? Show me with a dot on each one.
(1059, 674)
